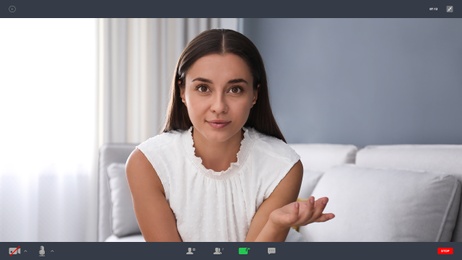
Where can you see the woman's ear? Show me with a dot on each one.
(255, 95)
(182, 95)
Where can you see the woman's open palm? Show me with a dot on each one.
(301, 213)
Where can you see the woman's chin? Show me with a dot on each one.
(220, 135)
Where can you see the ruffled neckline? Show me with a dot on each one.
(233, 168)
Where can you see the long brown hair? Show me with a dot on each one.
(221, 41)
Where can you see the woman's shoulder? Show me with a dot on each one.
(272, 146)
(266, 141)
(163, 145)
(163, 149)
(166, 140)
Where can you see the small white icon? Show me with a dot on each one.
(190, 251)
(217, 251)
(42, 251)
(271, 250)
(449, 9)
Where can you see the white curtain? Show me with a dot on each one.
(137, 60)
(66, 87)
(47, 134)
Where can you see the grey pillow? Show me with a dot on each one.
(424, 157)
(385, 205)
(310, 178)
(124, 221)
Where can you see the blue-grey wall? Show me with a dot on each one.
(363, 81)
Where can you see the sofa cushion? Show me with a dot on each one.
(429, 157)
(108, 153)
(318, 158)
(321, 157)
(310, 178)
(441, 158)
(386, 205)
(123, 219)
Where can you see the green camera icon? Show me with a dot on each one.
(244, 250)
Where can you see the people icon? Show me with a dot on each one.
(190, 251)
(42, 251)
(217, 251)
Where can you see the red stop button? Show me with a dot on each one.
(445, 251)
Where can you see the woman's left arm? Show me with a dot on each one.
(280, 210)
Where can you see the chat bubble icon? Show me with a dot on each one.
(271, 250)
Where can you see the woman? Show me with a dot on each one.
(221, 170)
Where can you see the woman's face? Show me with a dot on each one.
(218, 94)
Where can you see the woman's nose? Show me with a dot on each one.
(219, 104)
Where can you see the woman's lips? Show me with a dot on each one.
(218, 123)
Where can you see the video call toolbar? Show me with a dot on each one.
(221, 250)
(231, 9)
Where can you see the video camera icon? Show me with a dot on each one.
(14, 251)
(243, 250)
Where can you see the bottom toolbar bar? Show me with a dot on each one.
(212, 250)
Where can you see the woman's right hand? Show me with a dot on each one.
(301, 213)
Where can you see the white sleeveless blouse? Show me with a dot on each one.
(217, 206)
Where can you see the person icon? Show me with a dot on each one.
(42, 251)
(190, 251)
(217, 251)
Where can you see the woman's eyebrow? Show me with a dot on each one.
(202, 79)
(234, 81)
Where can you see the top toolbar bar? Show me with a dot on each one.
(230, 9)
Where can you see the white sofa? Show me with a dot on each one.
(388, 193)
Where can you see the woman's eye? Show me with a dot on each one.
(202, 88)
(235, 90)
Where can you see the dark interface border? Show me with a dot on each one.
(230, 9)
